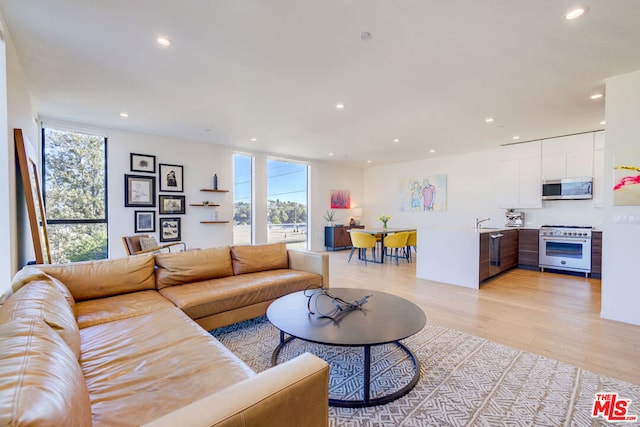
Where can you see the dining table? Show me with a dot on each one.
(382, 232)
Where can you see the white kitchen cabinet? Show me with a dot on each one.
(530, 188)
(519, 176)
(568, 156)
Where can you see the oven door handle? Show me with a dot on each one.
(564, 240)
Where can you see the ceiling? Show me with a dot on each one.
(429, 75)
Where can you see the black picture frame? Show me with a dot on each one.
(171, 178)
(145, 221)
(170, 230)
(139, 191)
(142, 163)
(168, 204)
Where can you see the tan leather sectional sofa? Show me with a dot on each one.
(119, 342)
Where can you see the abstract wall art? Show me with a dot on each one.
(626, 181)
(340, 199)
(423, 194)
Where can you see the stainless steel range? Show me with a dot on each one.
(565, 247)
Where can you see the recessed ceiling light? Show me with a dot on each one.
(124, 114)
(432, 151)
(597, 96)
(489, 120)
(396, 140)
(516, 137)
(163, 41)
(331, 154)
(254, 139)
(340, 106)
(575, 13)
(368, 161)
(604, 122)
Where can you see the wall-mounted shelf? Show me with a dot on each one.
(211, 190)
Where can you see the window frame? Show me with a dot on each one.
(307, 165)
(96, 133)
(252, 232)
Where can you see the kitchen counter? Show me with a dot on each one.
(450, 255)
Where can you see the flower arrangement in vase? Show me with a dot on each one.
(384, 219)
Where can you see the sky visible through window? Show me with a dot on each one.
(287, 181)
(242, 178)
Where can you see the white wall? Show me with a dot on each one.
(471, 191)
(201, 161)
(324, 178)
(16, 112)
(620, 267)
(6, 252)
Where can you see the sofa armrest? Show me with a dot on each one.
(294, 393)
(313, 262)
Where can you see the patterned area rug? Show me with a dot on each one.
(465, 380)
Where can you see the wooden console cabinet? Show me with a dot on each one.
(338, 237)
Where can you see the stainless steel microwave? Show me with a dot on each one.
(567, 189)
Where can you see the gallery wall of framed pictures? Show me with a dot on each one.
(140, 192)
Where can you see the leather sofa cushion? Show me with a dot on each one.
(178, 268)
(28, 274)
(211, 297)
(155, 363)
(41, 382)
(118, 307)
(98, 279)
(42, 300)
(250, 259)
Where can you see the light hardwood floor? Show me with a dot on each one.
(555, 315)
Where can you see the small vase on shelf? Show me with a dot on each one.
(215, 181)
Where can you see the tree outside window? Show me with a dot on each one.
(75, 193)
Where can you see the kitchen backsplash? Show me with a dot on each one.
(564, 212)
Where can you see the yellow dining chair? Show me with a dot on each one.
(362, 242)
(395, 242)
(412, 241)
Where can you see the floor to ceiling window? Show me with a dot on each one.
(242, 198)
(75, 194)
(287, 202)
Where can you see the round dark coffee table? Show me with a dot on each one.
(384, 319)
